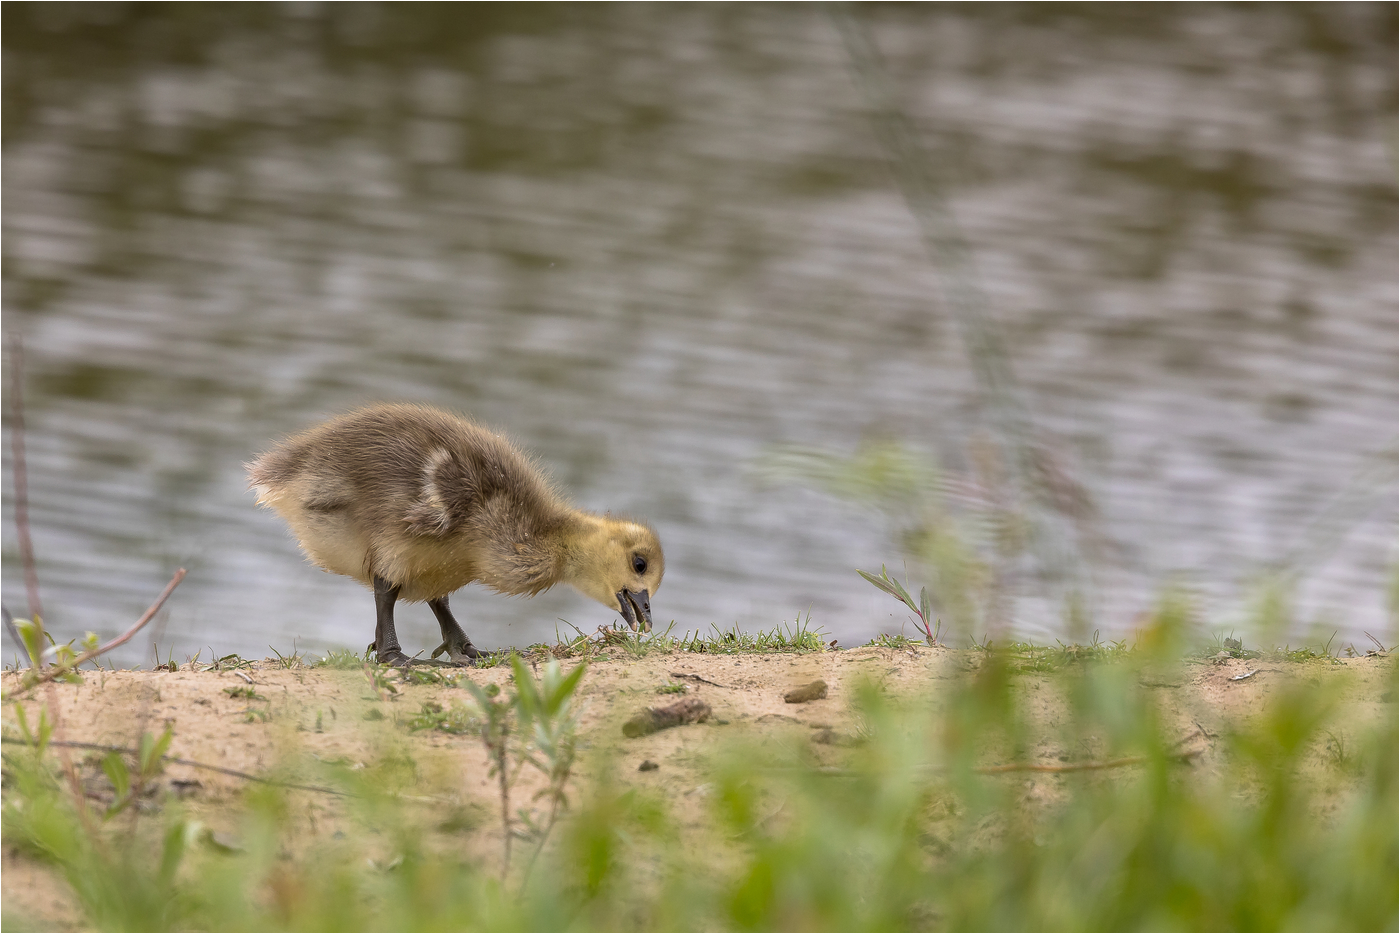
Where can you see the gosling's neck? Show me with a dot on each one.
(583, 540)
(593, 551)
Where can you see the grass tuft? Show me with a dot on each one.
(456, 719)
(1025, 657)
(798, 636)
(340, 660)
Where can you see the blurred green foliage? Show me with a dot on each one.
(1287, 820)
(957, 548)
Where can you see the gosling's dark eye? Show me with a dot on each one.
(639, 564)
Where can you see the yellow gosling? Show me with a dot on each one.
(417, 502)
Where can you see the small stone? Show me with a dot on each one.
(223, 842)
(829, 737)
(647, 766)
(690, 710)
(807, 692)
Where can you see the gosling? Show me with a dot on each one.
(417, 503)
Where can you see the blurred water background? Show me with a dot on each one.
(674, 251)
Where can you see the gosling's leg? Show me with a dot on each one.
(386, 641)
(455, 643)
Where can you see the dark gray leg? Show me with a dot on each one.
(386, 641)
(455, 643)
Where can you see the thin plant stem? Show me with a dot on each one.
(20, 476)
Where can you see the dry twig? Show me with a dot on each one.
(191, 763)
(1184, 756)
(1082, 766)
(690, 677)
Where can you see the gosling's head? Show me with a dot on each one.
(619, 564)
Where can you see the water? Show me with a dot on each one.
(651, 243)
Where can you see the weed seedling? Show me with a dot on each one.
(378, 678)
(495, 735)
(148, 766)
(923, 609)
(549, 724)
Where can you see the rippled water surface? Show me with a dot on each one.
(658, 243)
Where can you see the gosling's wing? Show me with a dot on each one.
(497, 502)
(438, 509)
(455, 484)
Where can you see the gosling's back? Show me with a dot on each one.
(420, 497)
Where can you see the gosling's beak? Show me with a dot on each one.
(635, 606)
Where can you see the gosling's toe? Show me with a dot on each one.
(464, 653)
